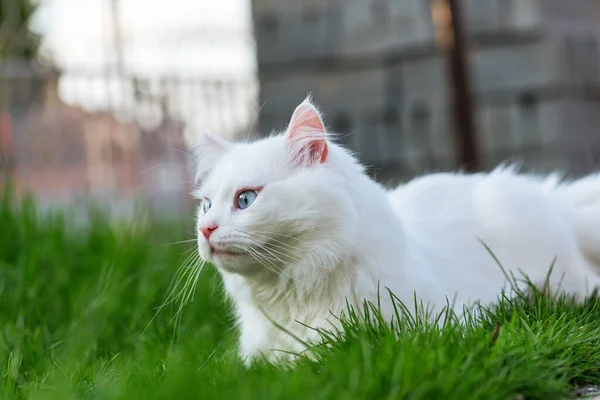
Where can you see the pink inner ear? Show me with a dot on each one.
(306, 118)
(306, 123)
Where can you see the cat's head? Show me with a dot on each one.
(281, 205)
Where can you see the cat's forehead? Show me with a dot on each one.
(247, 165)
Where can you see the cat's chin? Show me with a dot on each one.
(238, 264)
(217, 254)
(232, 267)
(232, 262)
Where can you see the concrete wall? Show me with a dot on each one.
(374, 68)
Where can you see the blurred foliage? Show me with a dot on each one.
(16, 38)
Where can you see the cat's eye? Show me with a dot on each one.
(205, 205)
(246, 198)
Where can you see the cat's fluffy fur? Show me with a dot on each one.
(321, 233)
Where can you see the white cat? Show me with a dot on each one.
(297, 230)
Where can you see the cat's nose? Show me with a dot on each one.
(208, 229)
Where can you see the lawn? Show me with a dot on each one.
(80, 318)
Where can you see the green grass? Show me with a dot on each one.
(76, 321)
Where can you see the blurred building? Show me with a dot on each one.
(375, 68)
(112, 113)
(60, 152)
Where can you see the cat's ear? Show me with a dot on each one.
(306, 136)
(216, 143)
(207, 153)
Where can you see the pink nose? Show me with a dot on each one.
(208, 229)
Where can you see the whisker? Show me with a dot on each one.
(265, 247)
(285, 251)
(280, 245)
(271, 234)
(270, 239)
(173, 184)
(261, 246)
(186, 288)
(177, 278)
(280, 249)
(271, 262)
(256, 257)
(190, 267)
(271, 267)
(192, 291)
(180, 151)
(180, 242)
(166, 165)
(254, 120)
(190, 284)
(181, 273)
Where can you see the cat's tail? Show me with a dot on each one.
(580, 200)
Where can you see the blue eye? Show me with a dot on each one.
(246, 198)
(205, 205)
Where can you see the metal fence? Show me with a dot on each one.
(132, 142)
(106, 130)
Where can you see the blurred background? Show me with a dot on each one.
(104, 99)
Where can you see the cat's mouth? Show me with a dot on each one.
(221, 252)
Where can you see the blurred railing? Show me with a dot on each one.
(117, 139)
